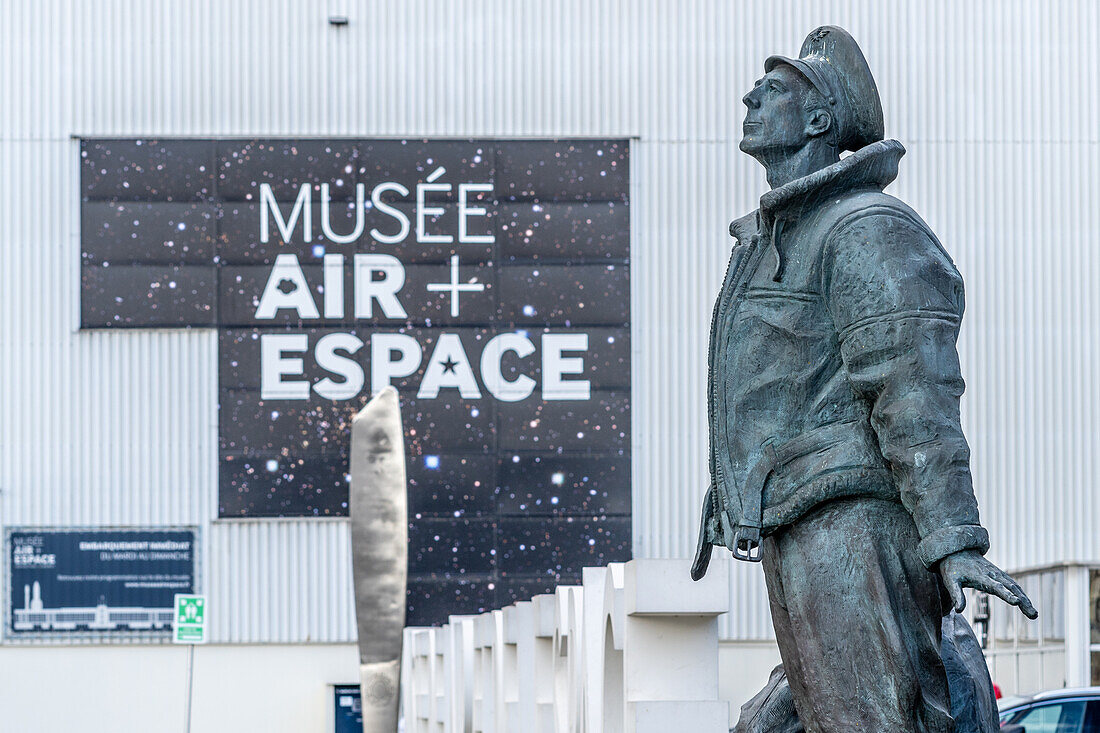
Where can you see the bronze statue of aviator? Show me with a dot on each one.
(836, 455)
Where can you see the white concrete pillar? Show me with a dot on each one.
(568, 660)
(1078, 668)
(519, 682)
(419, 679)
(601, 657)
(670, 647)
(543, 658)
(439, 706)
(460, 673)
(488, 712)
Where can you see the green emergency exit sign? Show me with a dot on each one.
(189, 620)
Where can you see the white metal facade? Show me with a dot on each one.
(997, 102)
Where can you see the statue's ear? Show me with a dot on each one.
(818, 122)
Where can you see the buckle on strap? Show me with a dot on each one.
(746, 544)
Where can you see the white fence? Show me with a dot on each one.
(634, 648)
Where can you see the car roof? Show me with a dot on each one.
(1066, 692)
(1046, 695)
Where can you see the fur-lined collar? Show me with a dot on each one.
(873, 165)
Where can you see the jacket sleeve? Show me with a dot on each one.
(897, 301)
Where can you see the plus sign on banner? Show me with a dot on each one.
(488, 280)
(454, 287)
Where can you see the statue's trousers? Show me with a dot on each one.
(857, 617)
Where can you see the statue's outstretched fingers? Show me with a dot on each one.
(1028, 609)
(991, 585)
(1022, 601)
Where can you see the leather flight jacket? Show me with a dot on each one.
(833, 371)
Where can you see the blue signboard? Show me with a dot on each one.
(349, 709)
(99, 582)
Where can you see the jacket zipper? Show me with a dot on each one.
(728, 293)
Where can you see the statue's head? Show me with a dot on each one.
(785, 113)
(826, 96)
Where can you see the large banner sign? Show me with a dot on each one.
(104, 583)
(488, 280)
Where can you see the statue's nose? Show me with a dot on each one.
(750, 101)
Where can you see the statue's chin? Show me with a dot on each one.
(749, 145)
(752, 148)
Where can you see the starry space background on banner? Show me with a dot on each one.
(506, 498)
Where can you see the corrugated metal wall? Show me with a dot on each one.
(997, 102)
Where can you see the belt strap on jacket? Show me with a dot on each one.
(774, 457)
(746, 544)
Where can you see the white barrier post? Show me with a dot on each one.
(670, 649)
(543, 653)
(634, 649)
(568, 660)
(519, 666)
(602, 632)
(460, 672)
(420, 684)
(488, 692)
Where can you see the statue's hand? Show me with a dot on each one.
(968, 568)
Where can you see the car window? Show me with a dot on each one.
(1055, 717)
(1092, 717)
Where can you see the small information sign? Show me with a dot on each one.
(190, 619)
(349, 709)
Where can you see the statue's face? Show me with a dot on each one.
(776, 118)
